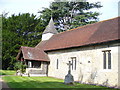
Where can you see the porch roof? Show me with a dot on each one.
(30, 53)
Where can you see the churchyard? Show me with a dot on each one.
(39, 82)
(7, 72)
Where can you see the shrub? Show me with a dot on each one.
(20, 66)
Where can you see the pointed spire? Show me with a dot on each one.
(50, 28)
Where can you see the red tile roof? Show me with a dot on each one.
(99, 32)
(41, 44)
(30, 53)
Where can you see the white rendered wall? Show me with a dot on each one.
(47, 36)
(84, 69)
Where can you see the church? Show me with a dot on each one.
(92, 50)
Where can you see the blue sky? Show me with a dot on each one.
(109, 9)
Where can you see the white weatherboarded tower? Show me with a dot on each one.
(49, 31)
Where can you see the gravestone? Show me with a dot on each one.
(69, 78)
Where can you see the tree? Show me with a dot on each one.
(68, 15)
(26, 26)
(19, 30)
(9, 48)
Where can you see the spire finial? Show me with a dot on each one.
(50, 30)
(50, 27)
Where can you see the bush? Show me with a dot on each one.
(20, 66)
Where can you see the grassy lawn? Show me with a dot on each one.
(41, 82)
(7, 72)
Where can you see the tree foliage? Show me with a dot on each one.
(19, 30)
(68, 15)
(26, 26)
(10, 44)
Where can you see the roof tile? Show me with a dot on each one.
(30, 53)
(90, 34)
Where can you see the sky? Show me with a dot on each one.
(109, 9)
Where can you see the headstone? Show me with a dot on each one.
(19, 73)
(69, 78)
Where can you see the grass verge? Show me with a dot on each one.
(41, 82)
(7, 72)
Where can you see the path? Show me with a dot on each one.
(3, 84)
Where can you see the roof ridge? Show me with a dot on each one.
(41, 42)
(89, 25)
(26, 47)
(100, 32)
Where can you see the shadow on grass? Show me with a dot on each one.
(51, 85)
(7, 72)
(2, 73)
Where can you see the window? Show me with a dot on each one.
(73, 61)
(109, 60)
(36, 64)
(106, 59)
(57, 64)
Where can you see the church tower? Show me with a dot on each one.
(49, 31)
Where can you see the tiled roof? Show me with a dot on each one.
(99, 32)
(41, 44)
(30, 53)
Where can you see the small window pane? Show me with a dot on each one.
(75, 63)
(72, 64)
(104, 60)
(109, 60)
(57, 63)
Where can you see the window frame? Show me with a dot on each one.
(107, 61)
(74, 63)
